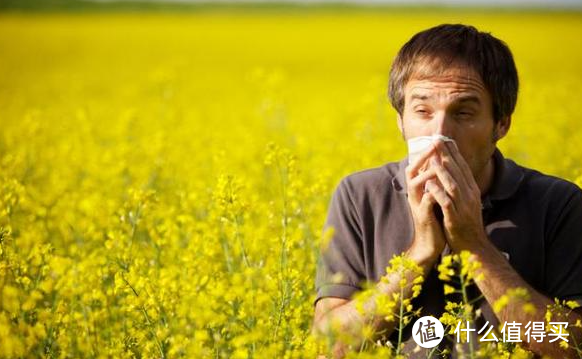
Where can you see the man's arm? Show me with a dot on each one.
(459, 197)
(330, 311)
(498, 277)
(427, 244)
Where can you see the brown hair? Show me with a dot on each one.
(446, 45)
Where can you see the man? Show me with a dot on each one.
(523, 226)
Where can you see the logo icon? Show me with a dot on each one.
(428, 332)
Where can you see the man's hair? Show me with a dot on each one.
(431, 52)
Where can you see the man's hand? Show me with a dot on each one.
(429, 238)
(459, 197)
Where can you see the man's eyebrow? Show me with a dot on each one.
(460, 99)
(468, 98)
(417, 96)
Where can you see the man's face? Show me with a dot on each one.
(455, 104)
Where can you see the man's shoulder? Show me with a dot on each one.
(543, 184)
(372, 180)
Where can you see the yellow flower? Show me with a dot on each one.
(167, 217)
(564, 344)
(529, 308)
(500, 303)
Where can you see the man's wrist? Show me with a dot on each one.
(481, 249)
(424, 258)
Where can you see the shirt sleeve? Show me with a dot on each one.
(563, 270)
(340, 265)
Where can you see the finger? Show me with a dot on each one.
(450, 163)
(427, 203)
(449, 183)
(446, 203)
(416, 184)
(426, 207)
(412, 168)
(462, 164)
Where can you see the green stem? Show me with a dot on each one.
(153, 333)
(466, 302)
(283, 255)
(578, 351)
(400, 319)
(148, 321)
(240, 241)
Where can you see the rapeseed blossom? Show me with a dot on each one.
(163, 191)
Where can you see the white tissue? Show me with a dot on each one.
(417, 145)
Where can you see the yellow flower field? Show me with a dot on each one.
(164, 178)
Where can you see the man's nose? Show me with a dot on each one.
(442, 124)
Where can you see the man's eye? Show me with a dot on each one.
(464, 114)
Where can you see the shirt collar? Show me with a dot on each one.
(507, 178)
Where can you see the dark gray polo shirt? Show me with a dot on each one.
(534, 218)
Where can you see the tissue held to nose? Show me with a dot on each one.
(417, 145)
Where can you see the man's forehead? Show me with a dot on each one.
(425, 87)
(426, 66)
(432, 72)
(457, 97)
(459, 84)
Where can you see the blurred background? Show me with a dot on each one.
(166, 166)
(159, 4)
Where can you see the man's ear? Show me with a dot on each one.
(502, 127)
